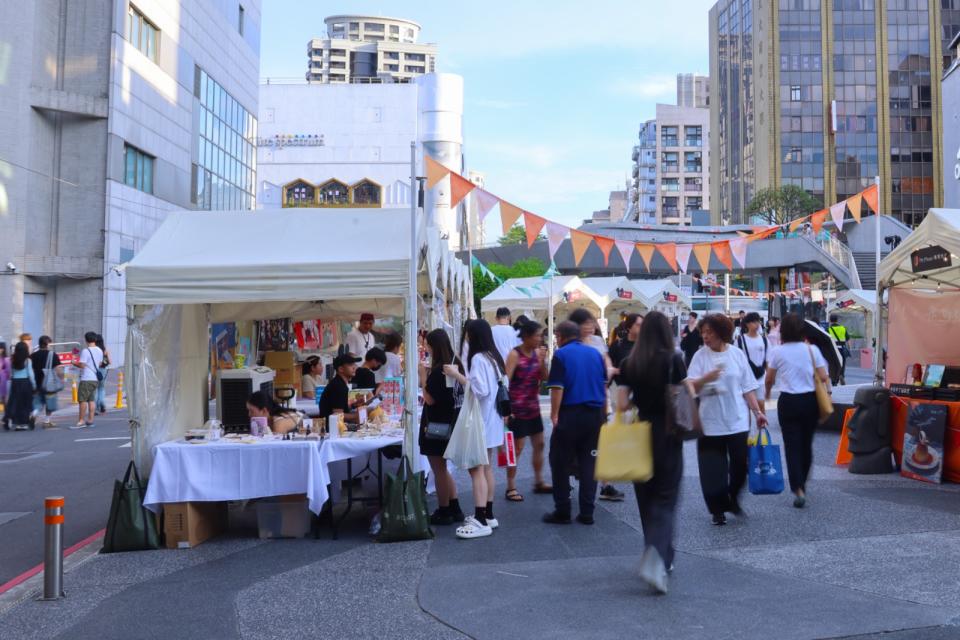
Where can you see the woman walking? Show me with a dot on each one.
(102, 383)
(651, 366)
(4, 382)
(442, 397)
(793, 366)
(722, 376)
(485, 368)
(526, 368)
(22, 387)
(773, 332)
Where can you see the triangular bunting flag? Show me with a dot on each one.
(626, 252)
(555, 235)
(605, 244)
(738, 247)
(669, 253)
(484, 201)
(854, 203)
(872, 197)
(646, 252)
(817, 220)
(435, 171)
(509, 214)
(723, 253)
(702, 251)
(796, 224)
(836, 212)
(533, 225)
(683, 256)
(459, 188)
(580, 242)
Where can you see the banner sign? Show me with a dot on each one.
(281, 140)
(930, 258)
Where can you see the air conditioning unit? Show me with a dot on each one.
(234, 386)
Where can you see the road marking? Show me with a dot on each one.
(515, 575)
(10, 516)
(20, 457)
(98, 439)
(124, 446)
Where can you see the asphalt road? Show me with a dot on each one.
(80, 465)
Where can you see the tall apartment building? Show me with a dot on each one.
(369, 49)
(826, 95)
(671, 167)
(114, 114)
(693, 90)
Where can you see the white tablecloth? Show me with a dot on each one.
(220, 471)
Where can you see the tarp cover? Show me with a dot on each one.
(854, 300)
(940, 227)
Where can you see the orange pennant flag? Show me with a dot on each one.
(669, 252)
(435, 171)
(533, 226)
(723, 253)
(817, 219)
(509, 214)
(796, 224)
(854, 203)
(605, 244)
(459, 188)
(580, 242)
(872, 196)
(702, 252)
(646, 252)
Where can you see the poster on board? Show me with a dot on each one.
(923, 442)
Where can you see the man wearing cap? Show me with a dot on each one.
(336, 395)
(361, 339)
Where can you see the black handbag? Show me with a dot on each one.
(683, 411)
(503, 400)
(438, 431)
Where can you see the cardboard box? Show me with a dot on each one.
(277, 360)
(283, 517)
(187, 524)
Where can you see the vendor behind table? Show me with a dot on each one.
(311, 377)
(336, 395)
(261, 405)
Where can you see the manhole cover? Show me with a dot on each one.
(21, 456)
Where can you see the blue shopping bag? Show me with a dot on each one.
(766, 468)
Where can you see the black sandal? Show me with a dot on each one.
(512, 495)
(542, 489)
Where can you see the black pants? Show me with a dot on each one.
(657, 497)
(20, 403)
(798, 414)
(723, 469)
(575, 437)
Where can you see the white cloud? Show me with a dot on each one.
(649, 88)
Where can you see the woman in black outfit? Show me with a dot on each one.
(654, 363)
(441, 404)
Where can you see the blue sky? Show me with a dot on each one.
(553, 97)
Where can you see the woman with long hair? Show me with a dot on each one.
(442, 397)
(484, 370)
(22, 386)
(261, 405)
(526, 368)
(722, 376)
(4, 379)
(102, 383)
(653, 364)
(311, 376)
(794, 365)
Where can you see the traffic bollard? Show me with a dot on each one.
(73, 391)
(53, 548)
(119, 403)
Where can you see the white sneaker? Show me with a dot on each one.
(493, 523)
(653, 571)
(473, 529)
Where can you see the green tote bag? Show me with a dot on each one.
(405, 515)
(131, 526)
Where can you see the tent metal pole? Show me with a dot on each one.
(877, 359)
(411, 352)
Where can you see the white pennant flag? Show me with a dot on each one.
(484, 202)
(556, 233)
(836, 212)
(683, 256)
(626, 251)
(738, 247)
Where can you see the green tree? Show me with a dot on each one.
(483, 286)
(783, 204)
(516, 235)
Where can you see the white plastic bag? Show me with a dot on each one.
(467, 448)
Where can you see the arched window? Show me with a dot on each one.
(367, 193)
(334, 193)
(299, 193)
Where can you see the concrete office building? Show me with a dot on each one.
(693, 90)
(826, 95)
(643, 191)
(348, 145)
(360, 48)
(951, 130)
(114, 114)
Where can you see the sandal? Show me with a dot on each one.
(512, 495)
(541, 488)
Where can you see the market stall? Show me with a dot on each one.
(857, 309)
(616, 294)
(662, 295)
(535, 297)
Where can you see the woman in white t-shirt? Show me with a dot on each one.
(793, 366)
(721, 375)
(394, 367)
(755, 346)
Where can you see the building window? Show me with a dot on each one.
(412, 69)
(692, 162)
(143, 34)
(391, 67)
(670, 184)
(367, 192)
(795, 93)
(693, 136)
(137, 169)
(694, 185)
(415, 57)
(670, 205)
(375, 27)
(391, 55)
(670, 162)
(240, 16)
(334, 193)
(669, 136)
(299, 193)
(693, 203)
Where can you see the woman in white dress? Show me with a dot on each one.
(485, 370)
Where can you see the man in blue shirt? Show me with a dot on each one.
(578, 400)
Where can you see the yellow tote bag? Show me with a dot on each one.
(625, 451)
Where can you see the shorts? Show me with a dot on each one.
(523, 427)
(87, 391)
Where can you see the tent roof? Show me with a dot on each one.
(605, 289)
(651, 291)
(865, 299)
(276, 255)
(940, 227)
(509, 295)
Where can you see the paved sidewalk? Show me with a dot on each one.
(871, 555)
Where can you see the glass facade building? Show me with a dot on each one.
(853, 93)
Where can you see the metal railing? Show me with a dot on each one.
(839, 252)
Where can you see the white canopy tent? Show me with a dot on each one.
(654, 294)
(919, 311)
(544, 294)
(857, 302)
(615, 294)
(200, 268)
